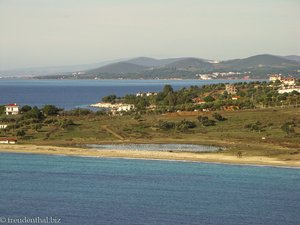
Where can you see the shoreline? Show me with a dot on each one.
(217, 158)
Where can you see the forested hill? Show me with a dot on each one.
(258, 66)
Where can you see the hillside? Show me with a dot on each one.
(118, 68)
(188, 63)
(295, 58)
(257, 67)
(258, 61)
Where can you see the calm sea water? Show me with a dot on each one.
(96, 191)
(81, 93)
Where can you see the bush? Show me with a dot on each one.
(166, 125)
(185, 125)
(51, 121)
(288, 128)
(21, 133)
(205, 121)
(219, 117)
(66, 123)
(209, 99)
(78, 112)
(257, 127)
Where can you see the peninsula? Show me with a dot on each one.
(255, 123)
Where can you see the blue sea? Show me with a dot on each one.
(95, 191)
(70, 94)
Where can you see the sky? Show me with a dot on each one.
(35, 33)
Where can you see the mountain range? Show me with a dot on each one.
(257, 66)
(143, 67)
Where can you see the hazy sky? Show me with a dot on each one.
(66, 32)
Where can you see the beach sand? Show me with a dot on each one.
(153, 155)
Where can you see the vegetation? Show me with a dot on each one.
(261, 122)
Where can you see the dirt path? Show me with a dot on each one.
(105, 127)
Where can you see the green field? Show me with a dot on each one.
(270, 141)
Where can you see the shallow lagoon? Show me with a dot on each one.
(156, 147)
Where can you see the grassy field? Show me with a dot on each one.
(232, 134)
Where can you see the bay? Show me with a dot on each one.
(96, 191)
(71, 94)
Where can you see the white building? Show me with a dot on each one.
(141, 94)
(12, 109)
(8, 140)
(288, 90)
(124, 107)
(275, 77)
(289, 81)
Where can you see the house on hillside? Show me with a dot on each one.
(275, 77)
(198, 101)
(289, 81)
(236, 97)
(231, 89)
(12, 109)
(141, 94)
(8, 140)
(289, 89)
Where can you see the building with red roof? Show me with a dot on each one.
(12, 109)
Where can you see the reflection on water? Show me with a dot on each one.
(157, 147)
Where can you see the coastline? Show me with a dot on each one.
(220, 158)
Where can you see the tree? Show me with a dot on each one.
(167, 88)
(34, 113)
(2, 109)
(50, 110)
(109, 98)
(25, 108)
(170, 99)
(209, 98)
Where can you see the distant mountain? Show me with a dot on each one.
(54, 70)
(295, 58)
(189, 63)
(258, 61)
(118, 68)
(258, 66)
(151, 62)
(145, 61)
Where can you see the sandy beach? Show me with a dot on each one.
(154, 155)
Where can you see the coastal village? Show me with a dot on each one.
(25, 122)
(282, 85)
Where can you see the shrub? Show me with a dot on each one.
(185, 125)
(66, 123)
(21, 133)
(288, 128)
(219, 117)
(166, 125)
(205, 121)
(257, 127)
